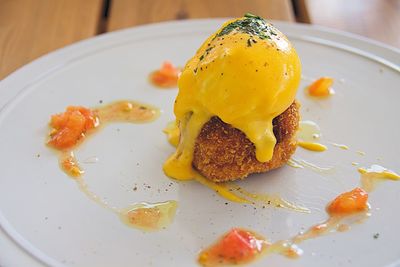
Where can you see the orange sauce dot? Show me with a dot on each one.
(166, 76)
(238, 246)
(349, 202)
(321, 87)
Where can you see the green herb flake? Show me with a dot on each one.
(376, 236)
(250, 24)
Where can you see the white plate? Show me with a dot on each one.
(46, 216)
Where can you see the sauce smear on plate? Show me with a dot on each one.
(70, 128)
(240, 246)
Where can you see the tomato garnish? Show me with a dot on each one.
(321, 87)
(236, 247)
(69, 127)
(349, 202)
(166, 76)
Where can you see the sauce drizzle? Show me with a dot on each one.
(375, 174)
(143, 216)
(309, 132)
(240, 246)
(301, 164)
(118, 111)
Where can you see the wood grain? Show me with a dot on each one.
(376, 19)
(127, 13)
(31, 28)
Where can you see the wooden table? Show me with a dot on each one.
(375, 19)
(31, 28)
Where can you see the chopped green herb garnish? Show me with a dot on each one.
(250, 24)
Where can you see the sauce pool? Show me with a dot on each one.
(148, 216)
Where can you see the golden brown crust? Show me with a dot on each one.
(223, 153)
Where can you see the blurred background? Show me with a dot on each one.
(31, 28)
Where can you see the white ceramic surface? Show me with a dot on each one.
(46, 220)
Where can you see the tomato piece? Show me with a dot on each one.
(321, 87)
(166, 76)
(236, 247)
(71, 126)
(349, 202)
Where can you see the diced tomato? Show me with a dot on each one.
(71, 126)
(321, 87)
(236, 247)
(166, 76)
(349, 202)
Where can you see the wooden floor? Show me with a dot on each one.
(31, 28)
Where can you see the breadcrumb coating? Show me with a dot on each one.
(223, 153)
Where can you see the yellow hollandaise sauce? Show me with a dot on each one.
(309, 132)
(375, 174)
(317, 147)
(247, 73)
(232, 192)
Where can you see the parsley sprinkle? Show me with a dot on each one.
(250, 24)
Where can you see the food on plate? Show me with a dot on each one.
(238, 246)
(71, 126)
(321, 87)
(349, 202)
(69, 129)
(149, 217)
(371, 176)
(166, 76)
(308, 135)
(223, 152)
(236, 106)
(313, 146)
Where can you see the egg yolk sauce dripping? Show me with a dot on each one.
(247, 73)
(229, 190)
